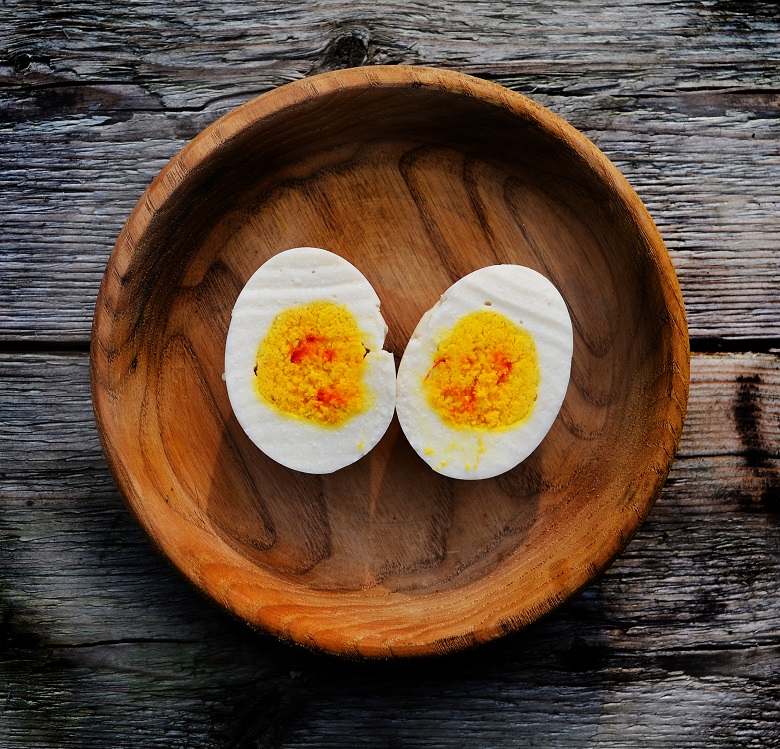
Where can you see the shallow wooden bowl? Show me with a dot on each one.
(418, 177)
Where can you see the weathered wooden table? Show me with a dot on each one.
(102, 645)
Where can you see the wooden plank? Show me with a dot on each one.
(64, 208)
(230, 49)
(101, 644)
(682, 103)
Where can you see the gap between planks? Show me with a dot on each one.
(699, 345)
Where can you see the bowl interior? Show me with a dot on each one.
(417, 183)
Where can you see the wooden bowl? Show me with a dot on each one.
(417, 176)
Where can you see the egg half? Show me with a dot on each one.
(304, 367)
(485, 373)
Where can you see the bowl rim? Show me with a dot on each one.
(273, 615)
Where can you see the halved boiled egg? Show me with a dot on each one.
(305, 371)
(485, 372)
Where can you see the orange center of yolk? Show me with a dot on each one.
(311, 364)
(484, 373)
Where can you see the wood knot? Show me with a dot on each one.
(757, 450)
(20, 62)
(349, 49)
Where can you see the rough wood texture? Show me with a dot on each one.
(102, 645)
(96, 98)
(677, 645)
(418, 177)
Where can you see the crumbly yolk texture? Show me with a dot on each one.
(485, 373)
(311, 364)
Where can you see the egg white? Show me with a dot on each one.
(529, 300)
(290, 279)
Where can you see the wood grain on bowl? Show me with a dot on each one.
(417, 177)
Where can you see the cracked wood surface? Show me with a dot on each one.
(682, 96)
(103, 645)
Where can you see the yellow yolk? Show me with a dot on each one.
(311, 364)
(484, 374)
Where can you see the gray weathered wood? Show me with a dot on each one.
(95, 102)
(103, 645)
